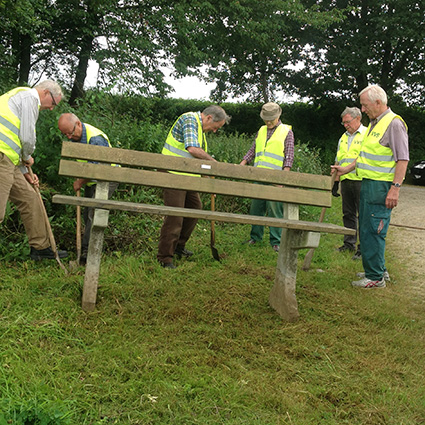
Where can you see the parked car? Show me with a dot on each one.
(417, 172)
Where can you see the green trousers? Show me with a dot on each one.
(271, 209)
(374, 219)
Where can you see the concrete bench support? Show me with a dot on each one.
(91, 277)
(282, 295)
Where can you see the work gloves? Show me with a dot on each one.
(335, 189)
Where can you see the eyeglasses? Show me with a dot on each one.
(53, 99)
(347, 122)
(73, 131)
(70, 135)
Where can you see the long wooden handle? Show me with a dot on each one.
(78, 234)
(47, 223)
(212, 222)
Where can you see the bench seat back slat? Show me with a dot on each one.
(204, 185)
(132, 158)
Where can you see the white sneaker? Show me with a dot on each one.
(386, 275)
(366, 283)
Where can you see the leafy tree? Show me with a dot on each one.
(123, 37)
(380, 41)
(57, 38)
(248, 45)
(249, 48)
(24, 24)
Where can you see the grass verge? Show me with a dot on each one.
(200, 344)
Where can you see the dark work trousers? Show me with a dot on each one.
(374, 221)
(88, 213)
(176, 231)
(350, 192)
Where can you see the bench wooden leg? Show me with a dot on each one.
(91, 278)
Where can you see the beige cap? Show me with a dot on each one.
(270, 111)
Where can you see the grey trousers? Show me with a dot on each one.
(350, 192)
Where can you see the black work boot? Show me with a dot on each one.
(40, 254)
(182, 252)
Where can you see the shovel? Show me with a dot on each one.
(214, 251)
(309, 256)
(47, 223)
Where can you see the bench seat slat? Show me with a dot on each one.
(202, 214)
(134, 158)
(204, 185)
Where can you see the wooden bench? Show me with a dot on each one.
(141, 168)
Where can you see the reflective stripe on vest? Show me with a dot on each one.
(270, 153)
(173, 147)
(376, 162)
(346, 156)
(10, 124)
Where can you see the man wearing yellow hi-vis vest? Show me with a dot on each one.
(76, 131)
(273, 148)
(19, 110)
(348, 150)
(186, 138)
(382, 164)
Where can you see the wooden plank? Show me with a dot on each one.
(202, 214)
(197, 184)
(134, 158)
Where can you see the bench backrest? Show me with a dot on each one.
(141, 168)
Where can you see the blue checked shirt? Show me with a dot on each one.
(186, 131)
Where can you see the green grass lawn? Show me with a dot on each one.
(201, 345)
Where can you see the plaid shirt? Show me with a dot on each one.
(289, 147)
(186, 130)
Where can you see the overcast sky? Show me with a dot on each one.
(185, 88)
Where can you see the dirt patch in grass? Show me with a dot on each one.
(406, 244)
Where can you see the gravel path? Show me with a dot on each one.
(409, 244)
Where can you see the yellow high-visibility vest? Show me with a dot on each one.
(173, 147)
(346, 156)
(10, 124)
(376, 162)
(93, 132)
(270, 153)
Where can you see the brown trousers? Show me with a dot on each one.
(177, 230)
(15, 188)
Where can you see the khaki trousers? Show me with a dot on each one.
(16, 189)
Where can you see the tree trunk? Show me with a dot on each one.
(25, 59)
(15, 54)
(265, 88)
(361, 81)
(80, 76)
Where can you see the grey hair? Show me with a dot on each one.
(375, 93)
(217, 113)
(52, 86)
(354, 112)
